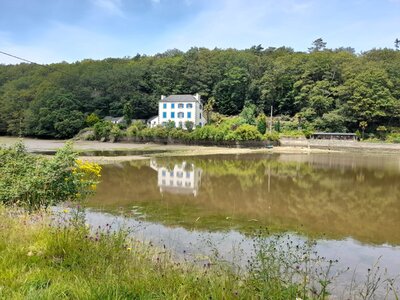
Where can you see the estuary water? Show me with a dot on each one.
(349, 203)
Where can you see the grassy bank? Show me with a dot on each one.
(67, 260)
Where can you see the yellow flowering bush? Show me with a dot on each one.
(34, 182)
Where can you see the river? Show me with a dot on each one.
(349, 203)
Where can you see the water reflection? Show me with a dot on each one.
(331, 195)
(182, 178)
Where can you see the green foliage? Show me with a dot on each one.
(246, 132)
(69, 260)
(102, 129)
(321, 87)
(128, 113)
(170, 125)
(262, 123)
(248, 114)
(92, 119)
(189, 125)
(34, 182)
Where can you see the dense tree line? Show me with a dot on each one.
(326, 89)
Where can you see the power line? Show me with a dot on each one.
(35, 63)
(20, 58)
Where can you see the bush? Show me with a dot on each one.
(189, 125)
(102, 129)
(34, 182)
(115, 133)
(92, 119)
(247, 132)
(261, 124)
(273, 137)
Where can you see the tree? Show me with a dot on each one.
(363, 125)
(231, 92)
(208, 108)
(128, 113)
(317, 45)
(397, 44)
(249, 113)
(92, 119)
(262, 123)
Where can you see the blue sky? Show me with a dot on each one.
(48, 31)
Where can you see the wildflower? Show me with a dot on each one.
(129, 249)
(30, 253)
(65, 211)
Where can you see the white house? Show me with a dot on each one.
(179, 108)
(183, 179)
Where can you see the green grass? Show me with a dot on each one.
(43, 256)
(39, 261)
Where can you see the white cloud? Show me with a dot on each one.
(112, 7)
(237, 23)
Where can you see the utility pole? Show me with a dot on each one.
(270, 121)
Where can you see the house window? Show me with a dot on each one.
(172, 115)
(164, 173)
(164, 182)
(188, 184)
(172, 105)
(171, 173)
(164, 114)
(179, 174)
(180, 124)
(189, 105)
(200, 115)
(200, 124)
(164, 105)
(180, 105)
(189, 114)
(187, 174)
(180, 115)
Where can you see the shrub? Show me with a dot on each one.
(115, 133)
(249, 113)
(92, 119)
(170, 125)
(102, 129)
(261, 124)
(274, 136)
(33, 181)
(247, 132)
(189, 125)
(132, 130)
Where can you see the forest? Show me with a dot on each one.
(322, 89)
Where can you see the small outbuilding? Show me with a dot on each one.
(334, 136)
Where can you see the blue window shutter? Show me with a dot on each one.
(164, 114)
(164, 105)
(172, 115)
(172, 105)
(189, 114)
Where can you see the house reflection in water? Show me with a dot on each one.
(183, 178)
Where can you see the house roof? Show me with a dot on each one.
(114, 119)
(334, 133)
(180, 98)
(152, 118)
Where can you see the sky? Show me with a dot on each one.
(48, 31)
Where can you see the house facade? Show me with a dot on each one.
(180, 109)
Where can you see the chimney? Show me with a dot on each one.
(197, 96)
(162, 97)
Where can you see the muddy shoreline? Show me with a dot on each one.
(151, 149)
